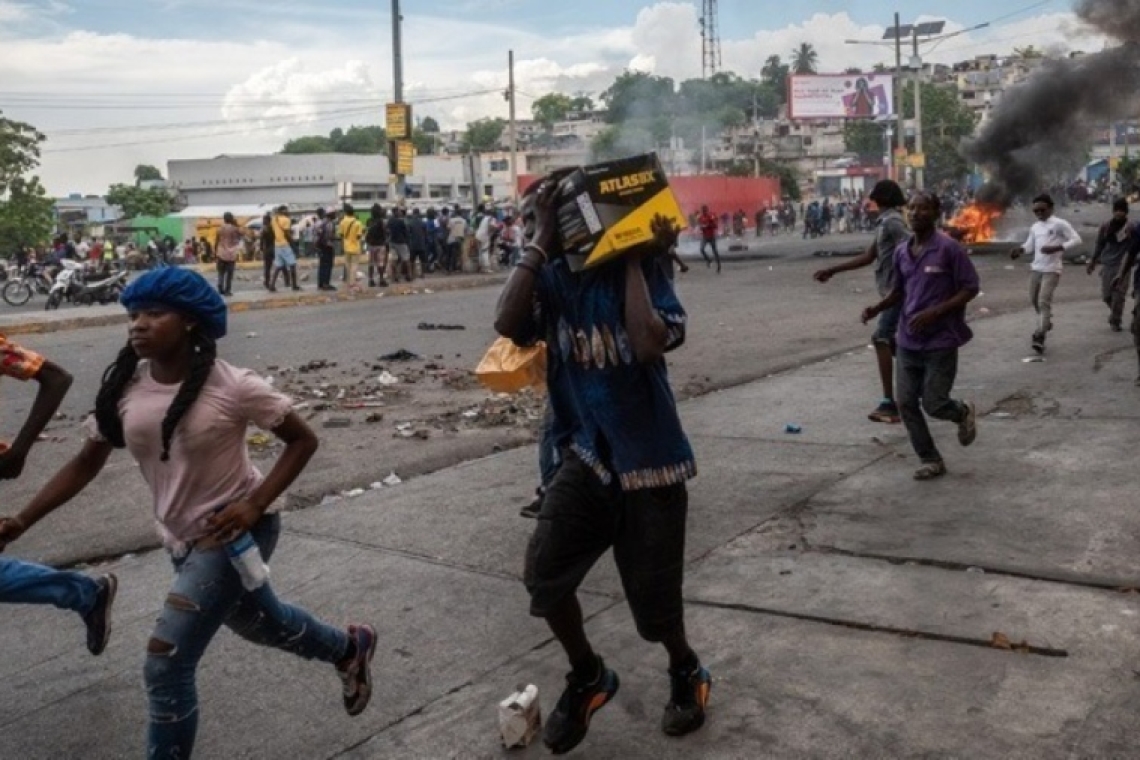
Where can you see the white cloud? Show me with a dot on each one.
(266, 88)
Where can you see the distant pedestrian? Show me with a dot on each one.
(323, 238)
(351, 233)
(377, 239)
(229, 249)
(1049, 238)
(182, 413)
(707, 223)
(456, 235)
(400, 257)
(1129, 277)
(27, 582)
(268, 251)
(284, 255)
(417, 243)
(934, 281)
(1114, 240)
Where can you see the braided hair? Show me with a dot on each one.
(118, 377)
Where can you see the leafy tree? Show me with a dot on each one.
(550, 108)
(865, 138)
(357, 140)
(147, 173)
(308, 144)
(805, 59)
(637, 95)
(135, 201)
(430, 125)
(424, 141)
(25, 209)
(946, 122)
(483, 135)
(581, 103)
(1028, 52)
(775, 75)
(1128, 172)
(25, 215)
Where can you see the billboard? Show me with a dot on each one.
(840, 96)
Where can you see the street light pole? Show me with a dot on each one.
(900, 132)
(398, 76)
(513, 129)
(919, 171)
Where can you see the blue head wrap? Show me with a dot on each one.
(181, 290)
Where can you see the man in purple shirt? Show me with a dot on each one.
(934, 280)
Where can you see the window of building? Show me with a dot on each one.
(500, 165)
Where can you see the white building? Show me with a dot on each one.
(327, 179)
(585, 126)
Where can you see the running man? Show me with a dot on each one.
(1115, 239)
(708, 225)
(26, 582)
(890, 232)
(624, 462)
(1049, 238)
(934, 280)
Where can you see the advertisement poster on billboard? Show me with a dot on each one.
(840, 96)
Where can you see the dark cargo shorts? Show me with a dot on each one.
(582, 518)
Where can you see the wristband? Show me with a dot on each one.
(537, 249)
(528, 267)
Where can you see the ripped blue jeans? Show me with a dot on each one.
(207, 594)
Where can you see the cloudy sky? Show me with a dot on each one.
(114, 83)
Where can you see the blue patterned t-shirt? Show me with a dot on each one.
(618, 415)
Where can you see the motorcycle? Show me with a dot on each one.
(19, 290)
(68, 281)
(104, 291)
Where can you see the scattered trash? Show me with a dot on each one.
(404, 426)
(353, 493)
(975, 570)
(375, 417)
(471, 414)
(430, 326)
(330, 499)
(1001, 415)
(251, 335)
(984, 311)
(520, 717)
(392, 480)
(387, 378)
(403, 355)
(1033, 360)
(338, 422)
(259, 440)
(377, 485)
(793, 429)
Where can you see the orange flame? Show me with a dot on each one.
(975, 223)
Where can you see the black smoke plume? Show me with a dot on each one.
(1042, 126)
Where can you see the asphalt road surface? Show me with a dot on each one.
(757, 318)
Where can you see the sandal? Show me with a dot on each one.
(930, 471)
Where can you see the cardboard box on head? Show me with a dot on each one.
(606, 209)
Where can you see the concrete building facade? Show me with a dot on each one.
(326, 179)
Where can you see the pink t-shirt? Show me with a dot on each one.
(209, 463)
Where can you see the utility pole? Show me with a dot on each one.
(397, 74)
(513, 129)
(900, 133)
(916, 62)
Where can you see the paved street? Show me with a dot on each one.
(757, 318)
(845, 610)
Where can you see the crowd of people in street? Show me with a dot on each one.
(614, 457)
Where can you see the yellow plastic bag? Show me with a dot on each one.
(506, 368)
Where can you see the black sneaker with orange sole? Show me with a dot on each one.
(567, 725)
(690, 691)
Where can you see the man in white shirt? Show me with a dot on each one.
(1049, 238)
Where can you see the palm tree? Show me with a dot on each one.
(805, 59)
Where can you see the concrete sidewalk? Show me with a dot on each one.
(845, 610)
(70, 317)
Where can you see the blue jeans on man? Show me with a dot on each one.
(29, 583)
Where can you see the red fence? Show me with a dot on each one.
(723, 195)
